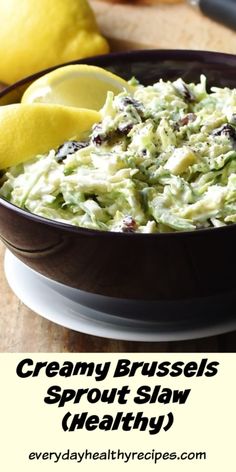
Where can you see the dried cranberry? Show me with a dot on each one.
(98, 136)
(184, 91)
(129, 224)
(97, 139)
(131, 101)
(225, 130)
(189, 118)
(69, 147)
(125, 129)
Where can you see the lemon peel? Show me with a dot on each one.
(28, 130)
(79, 85)
(35, 35)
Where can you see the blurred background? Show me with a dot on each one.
(166, 24)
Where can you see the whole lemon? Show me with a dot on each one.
(36, 34)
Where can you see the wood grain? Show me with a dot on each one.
(128, 27)
(163, 26)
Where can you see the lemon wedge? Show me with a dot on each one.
(27, 130)
(76, 85)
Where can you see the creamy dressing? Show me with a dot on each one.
(162, 159)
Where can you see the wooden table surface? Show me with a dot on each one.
(163, 26)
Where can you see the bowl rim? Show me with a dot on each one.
(190, 54)
(107, 59)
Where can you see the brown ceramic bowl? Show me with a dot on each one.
(135, 271)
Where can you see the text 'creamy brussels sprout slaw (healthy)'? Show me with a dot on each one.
(163, 158)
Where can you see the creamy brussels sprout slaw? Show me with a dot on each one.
(162, 159)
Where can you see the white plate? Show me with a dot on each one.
(34, 291)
